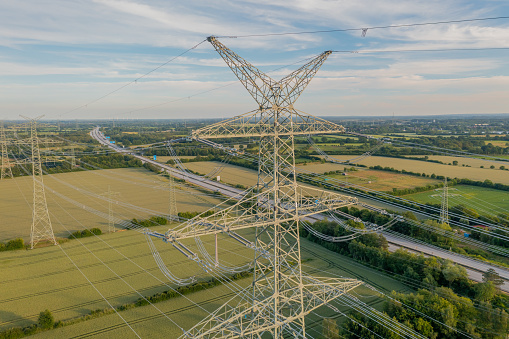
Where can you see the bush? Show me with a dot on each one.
(46, 320)
(16, 244)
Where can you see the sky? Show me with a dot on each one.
(77, 59)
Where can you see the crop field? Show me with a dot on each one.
(231, 174)
(119, 263)
(382, 180)
(164, 158)
(484, 200)
(74, 200)
(479, 174)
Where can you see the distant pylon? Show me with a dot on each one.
(73, 158)
(111, 220)
(6, 170)
(41, 222)
(173, 200)
(444, 211)
(444, 195)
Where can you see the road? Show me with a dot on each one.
(474, 267)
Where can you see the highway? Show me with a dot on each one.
(474, 267)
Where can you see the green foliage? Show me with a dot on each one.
(451, 311)
(11, 245)
(152, 221)
(330, 329)
(46, 320)
(492, 276)
(85, 233)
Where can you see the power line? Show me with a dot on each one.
(362, 29)
(135, 80)
(420, 50)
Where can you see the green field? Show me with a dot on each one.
(49, 279)
(484, 200)
(77, 203)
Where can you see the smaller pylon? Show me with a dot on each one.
(444, 210)
(173, 212)
(6, 170)
(111, 218)
(73, 158)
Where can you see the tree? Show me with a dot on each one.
(493, 276)
(330, 329)
(46, 320)
(455, 162)
(485, 291)
(453, 272)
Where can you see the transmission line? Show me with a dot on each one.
(364, 29)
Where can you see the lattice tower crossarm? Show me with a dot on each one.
(42, 229)
(281, 294)
(6, 170)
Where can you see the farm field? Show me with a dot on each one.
(231, 174)
(112, 262)
(484, 200)
(164, 158)
(382, 180)
(78, 204)
(474, 163)
(50, 280)
(479, 174)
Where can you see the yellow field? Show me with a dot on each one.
(383, 181)
(231, 174)
(417, 166)
(138, 187)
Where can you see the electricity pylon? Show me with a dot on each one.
(41, 223)
(281, 295)
(73, 158)
(6, 170)
(172, 208)
(444, 210)
(111, 218)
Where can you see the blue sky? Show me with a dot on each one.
(56, 56)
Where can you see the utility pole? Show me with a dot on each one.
(42, 229)
(6, 170)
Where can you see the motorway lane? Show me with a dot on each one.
(474, 267)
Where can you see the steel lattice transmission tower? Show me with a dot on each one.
(444, 195)
(444, 211)
(42, 229)
(111, 218)
(172, 196)
(6, 170)
(281, 295)
(73, 158)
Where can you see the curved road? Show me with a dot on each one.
(474, 267)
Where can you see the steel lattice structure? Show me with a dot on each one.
(5, 169)
(42, 229)
(281, 295)
(111, 218)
